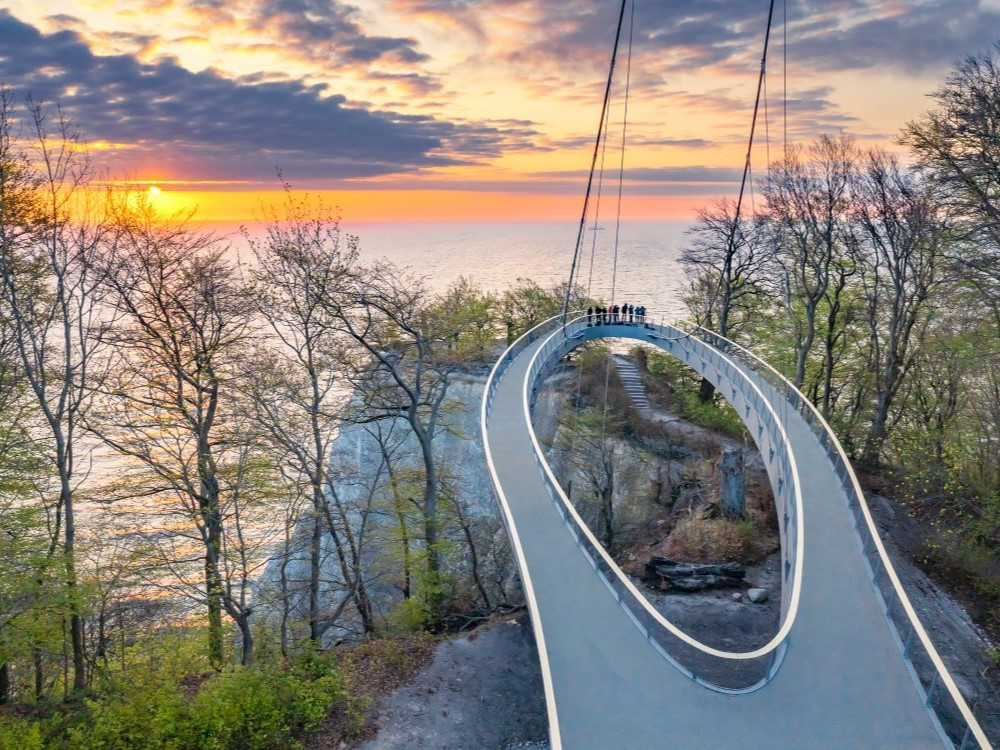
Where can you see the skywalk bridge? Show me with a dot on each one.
(850, 666)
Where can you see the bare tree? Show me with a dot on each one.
(807, 202)
(173, 402)
(724, 264)
(402, 368)
(957, 145)
(901, 239)
(301, 268)
(51, 286)
(592, 455)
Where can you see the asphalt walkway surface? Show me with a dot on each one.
(843, 682)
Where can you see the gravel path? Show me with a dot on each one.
(483, 691)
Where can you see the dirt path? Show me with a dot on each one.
(483, 691)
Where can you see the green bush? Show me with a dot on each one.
(20, 734)
(268, 707)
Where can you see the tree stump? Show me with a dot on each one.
(734, 496)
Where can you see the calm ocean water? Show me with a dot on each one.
(496, 254)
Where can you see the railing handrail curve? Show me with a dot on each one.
(789, 619)
(550, 702)
(925, 639)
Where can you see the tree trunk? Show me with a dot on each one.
(705, 391)
(315, 548)
(608, 518)
(246, 635)
(473, 555)
(213, 589)
(434, 593)
(731, 469)
(4, 684)
(75, 621)
(39, 673)
(285, 602)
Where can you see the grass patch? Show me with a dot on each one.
(710, 540)
(674, 386)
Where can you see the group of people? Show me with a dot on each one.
(616, 314)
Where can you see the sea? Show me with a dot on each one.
(494, 255)
(497, 254)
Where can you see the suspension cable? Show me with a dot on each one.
(593, 163)
(590, 281)
(618, 216)
(784, 72)
(753, 128)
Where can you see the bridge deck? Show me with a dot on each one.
(843, 682)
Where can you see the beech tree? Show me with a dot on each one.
(808, 200)
(51, 288)
(302, 264)
(173, 403)
(401, 368)
(901, 241)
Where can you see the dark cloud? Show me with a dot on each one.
(908, 36)
(687, 35)
(325, 29)
(667, 174)
(205, 124)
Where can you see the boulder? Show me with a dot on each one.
(757, 596)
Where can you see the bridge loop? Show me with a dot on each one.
(891, 712)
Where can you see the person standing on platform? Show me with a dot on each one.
(590, 316)
(631, 312)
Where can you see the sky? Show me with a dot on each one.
(471, 109)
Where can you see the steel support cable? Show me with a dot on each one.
(590, 281)
(753, 127)
(597, 205)
(618, 216)
(784, 73)
(593, 163)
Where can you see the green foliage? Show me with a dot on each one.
(264, 707)
(409, 616)
(526, 305)
(716, 414)
(21, 734)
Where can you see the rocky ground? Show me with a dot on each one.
(965, 648)
(482, 691)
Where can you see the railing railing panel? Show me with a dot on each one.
(713, 668)
(952, 712)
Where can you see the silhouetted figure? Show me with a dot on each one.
(590, 316)
(631, 311)
(604, 314)
(615, 309)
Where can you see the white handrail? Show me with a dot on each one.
(555, 739)
(911, 613)
(789, 619)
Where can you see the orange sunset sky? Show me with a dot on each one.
(468, 109)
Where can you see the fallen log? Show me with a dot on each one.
(670, 575)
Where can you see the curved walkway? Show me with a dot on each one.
(842, 682)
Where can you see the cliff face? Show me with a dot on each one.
(367, 502)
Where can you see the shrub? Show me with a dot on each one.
(20, 734)
(708, 540)
(267, 707)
